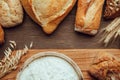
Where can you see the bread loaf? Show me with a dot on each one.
(112, 9)
(88, 16)
(1, 35)
(105, 67)
(48, 13)
(11, 13)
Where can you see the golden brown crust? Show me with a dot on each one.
(53, 24)
(53, 21)
(27, 4)
(81, 11)
(104, 65)
(1, 35)
(88, 18)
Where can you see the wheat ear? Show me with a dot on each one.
(10, 61)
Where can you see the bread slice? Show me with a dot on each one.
(11, 13)
(1, 35)
(88, 16)
(112, 9)
(48, 13)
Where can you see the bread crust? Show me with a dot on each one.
(88, 16)
(105, 67)
(11, 13)
(112, 9)
(1, 35)
(48, 24)
(27, 4)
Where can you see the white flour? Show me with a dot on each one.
(49, 68)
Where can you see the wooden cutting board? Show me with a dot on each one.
(83, 58)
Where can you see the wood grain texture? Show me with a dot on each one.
(83, 58)
(63, 38)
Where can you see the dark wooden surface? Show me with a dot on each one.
(63, 37)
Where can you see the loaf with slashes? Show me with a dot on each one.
(88, 16)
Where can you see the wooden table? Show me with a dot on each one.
(64, 37)
(83, 57)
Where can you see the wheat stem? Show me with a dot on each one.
(111, 32)
(11, 61)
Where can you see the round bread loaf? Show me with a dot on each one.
(112, 9)
(11, 13)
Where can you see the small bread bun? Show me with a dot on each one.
(11, 13)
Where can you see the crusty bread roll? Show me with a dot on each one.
(11, 13)
(88, 16)
(112, 9)
(48, 13)
(105, 67)
(1, 35)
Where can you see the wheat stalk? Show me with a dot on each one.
(111, 32)
(10, 61)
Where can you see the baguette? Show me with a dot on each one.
(48, 13)
(88, 16)
(1, 35)
(11, 13)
